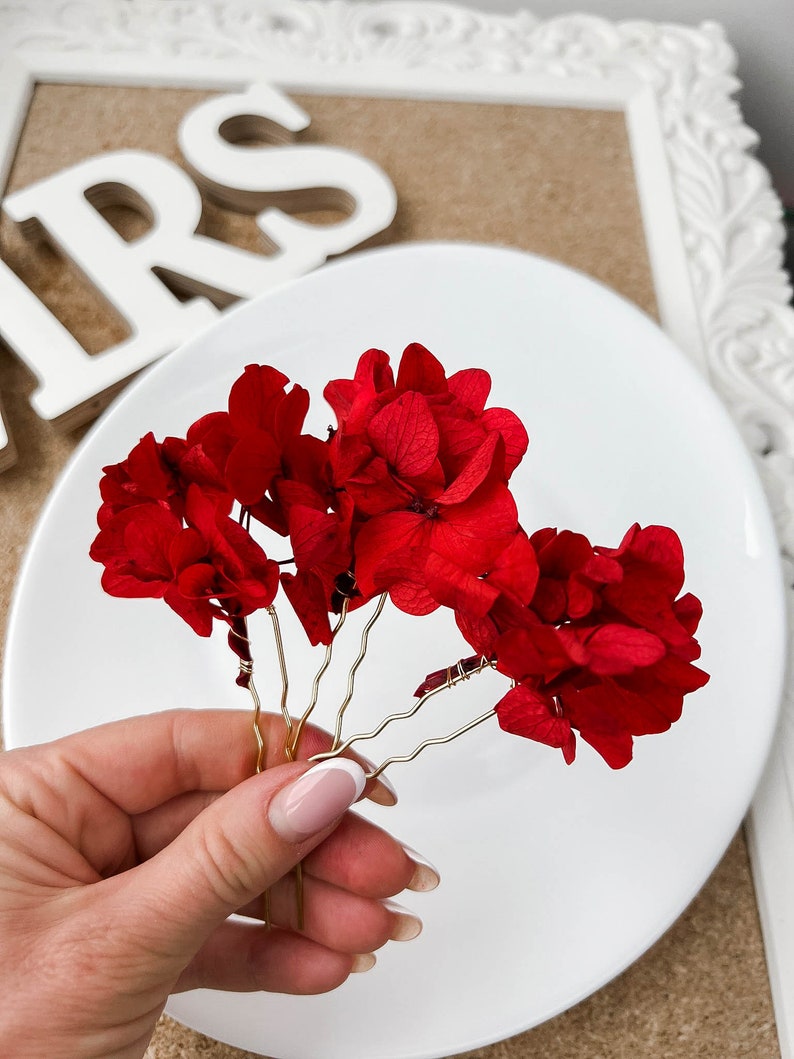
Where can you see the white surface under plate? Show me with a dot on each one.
(554, 878)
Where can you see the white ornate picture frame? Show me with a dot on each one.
(712, 223)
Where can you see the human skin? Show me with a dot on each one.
(124, 850)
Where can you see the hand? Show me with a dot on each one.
(124, 850)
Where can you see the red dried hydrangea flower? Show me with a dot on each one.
(147, 475)
(426, 466)
(604, 647)
(204, 565)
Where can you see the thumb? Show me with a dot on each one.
(238, 847)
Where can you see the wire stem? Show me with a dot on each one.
(455, 674)
(282, 663)
(316, 683)
(437, 741)
(247, 672)
(351, 678)
(289, 750)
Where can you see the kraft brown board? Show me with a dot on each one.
(555, 181)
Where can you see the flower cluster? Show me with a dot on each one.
(602, 644)
(159, 540)
(409, 496)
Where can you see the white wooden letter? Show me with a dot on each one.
(68, 377)
(59, 206)
(122, 271)
(8, 452)
(253, 178)
(64, 209)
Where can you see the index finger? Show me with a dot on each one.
(140, 762)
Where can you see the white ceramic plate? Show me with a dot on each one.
(554, 878)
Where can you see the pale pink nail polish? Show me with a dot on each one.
(316, 799)
(426, 876)
(383, 792)
(405, 925)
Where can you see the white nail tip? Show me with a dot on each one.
(343, 764)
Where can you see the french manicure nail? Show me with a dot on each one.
(426, 876)
(383, 791)
(363, 962)
(406, 925)
(316, 798)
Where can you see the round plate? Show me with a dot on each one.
(554, 878)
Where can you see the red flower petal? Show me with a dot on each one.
(515, 570)
(457, 589)
(380, 538)
(524, 711)
(251, 467)
(655, 555)
(290, 414)
(606, 735)
(474, 473)
(459, 436)
(471, 387)
(340, 395)
(613, 649)
(376, 491)
(355, 400)
(420, 370)
(480, 633)
(198, 582)
(203, 458)
(412, 597)
(550, 601)
(147, 542)
(512, 430)
(580, 598)
(473, 533)
(530, 653)
(405, 434)
(306, 594)
(688, 610)
(146, 469)
(186, 548)
(116, 582)
(254, 397)
(613, 705)
(600, 568)
(374, 369)
(197, 613)
(313, 535)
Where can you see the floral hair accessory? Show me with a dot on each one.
(406, 500)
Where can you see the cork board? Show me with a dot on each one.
(556, 181)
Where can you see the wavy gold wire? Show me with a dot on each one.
(437, 741)
(453, 678)
(282, 662)
(260, 764)
(318, 677)
(247, 668)
(351, 677)
(289, 749)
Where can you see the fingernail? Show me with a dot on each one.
(426, 876)
(382, 791)
(364, 962)
(316, 799)
(406, 926)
